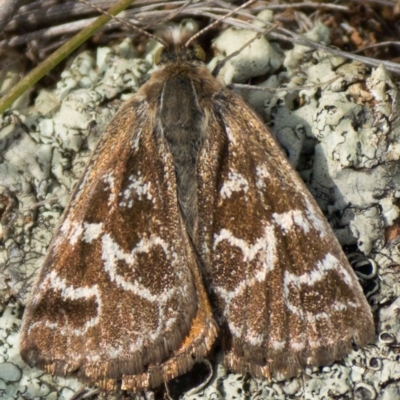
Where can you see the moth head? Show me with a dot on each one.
(174, 48)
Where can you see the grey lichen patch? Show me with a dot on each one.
(341, 132)
(302, 55)
(9, 372)
(353, 145)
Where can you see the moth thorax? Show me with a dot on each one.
(181, 122)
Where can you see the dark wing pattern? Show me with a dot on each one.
(284, 293)
(100, 308)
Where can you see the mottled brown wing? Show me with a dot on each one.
(282, 288)
(119, 292)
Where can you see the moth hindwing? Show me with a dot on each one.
(189, 221)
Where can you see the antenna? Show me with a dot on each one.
(194, 37)
(221, 64)
(126, 23)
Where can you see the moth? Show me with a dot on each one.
(189, 225)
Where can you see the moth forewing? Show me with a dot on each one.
(188, 210)
(280, 284)
(119, 290)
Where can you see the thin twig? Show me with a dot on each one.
(375, 45)
(123, 22)
(286, 89)
(194, 37)
(220, 65)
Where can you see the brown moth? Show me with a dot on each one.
(190, 223)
